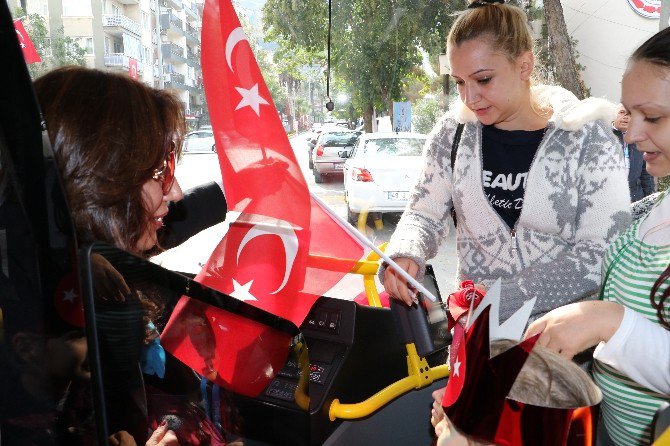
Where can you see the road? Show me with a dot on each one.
(198, 168)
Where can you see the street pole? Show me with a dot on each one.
(161, 82)
(665, 15)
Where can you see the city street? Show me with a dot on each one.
(198, 168)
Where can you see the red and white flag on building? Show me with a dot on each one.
(29, 51)
(132, 68)
(270, 255)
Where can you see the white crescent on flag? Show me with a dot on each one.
(286, 233)
(236, 36)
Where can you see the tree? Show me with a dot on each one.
(375, 44)
(560, 46)
(55, 51)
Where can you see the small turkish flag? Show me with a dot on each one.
(132, 68)
(67, 301)
(29, 51)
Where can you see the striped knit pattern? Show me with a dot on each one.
(628, 408)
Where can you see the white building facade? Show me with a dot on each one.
(607, 32)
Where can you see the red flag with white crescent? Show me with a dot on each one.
(269, 256)
(29, 51)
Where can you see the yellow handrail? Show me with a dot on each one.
(420, 375)
(664, 439)
(367, 268)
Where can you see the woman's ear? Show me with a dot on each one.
(526, 62)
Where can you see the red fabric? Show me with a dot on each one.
(132, 68)
(29, 51)
(270, 256)
(362, 299)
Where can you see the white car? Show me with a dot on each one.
(200, 141)
(381, 171)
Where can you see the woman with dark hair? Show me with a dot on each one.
(630, 323)
(116, 143)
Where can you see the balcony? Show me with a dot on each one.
(191, 10)
(117, 24)
(176, 4)
(171, 23)
(193, 59)
(173, 53)
(175, 78)
(121, 61)
(192, 34)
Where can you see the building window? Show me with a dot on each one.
(77, 8)
(148, 57)
(85, 43)
(145, 21)
(115, 10)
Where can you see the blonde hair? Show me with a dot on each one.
(505, 26)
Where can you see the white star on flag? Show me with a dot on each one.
(251, 98)
(242, 292)
(457, 367)
(69, 295)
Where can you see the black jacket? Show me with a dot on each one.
(640, 182)
(201, 207)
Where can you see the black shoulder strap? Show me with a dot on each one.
(454, 150)
(454, 144)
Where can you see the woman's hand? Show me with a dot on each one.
(163, 436)
(108, 283)
(396, 285)
(575, 327)
(437, 413)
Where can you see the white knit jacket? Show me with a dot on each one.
(576, 202)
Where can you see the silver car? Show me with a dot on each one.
(329, 152)
(200, 141)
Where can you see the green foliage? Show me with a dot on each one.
(425, 114)
(375, 44)
(663, 183)
(545, 61)
(55, 51)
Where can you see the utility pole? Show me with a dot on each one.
(665, 15)
(161, 81)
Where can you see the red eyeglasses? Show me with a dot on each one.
(165, 175)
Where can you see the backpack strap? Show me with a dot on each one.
(454, 150)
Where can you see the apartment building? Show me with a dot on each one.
(154, 41)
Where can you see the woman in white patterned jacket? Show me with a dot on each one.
(538, 186)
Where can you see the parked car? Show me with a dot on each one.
(328, 155)
(317, 129)
(380, 172)
(199, 141)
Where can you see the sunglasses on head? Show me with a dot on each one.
(165, 174)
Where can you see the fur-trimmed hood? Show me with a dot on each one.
(569, 112)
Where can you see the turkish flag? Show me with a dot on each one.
(29, 51)
(272, 256)
(132, 68)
